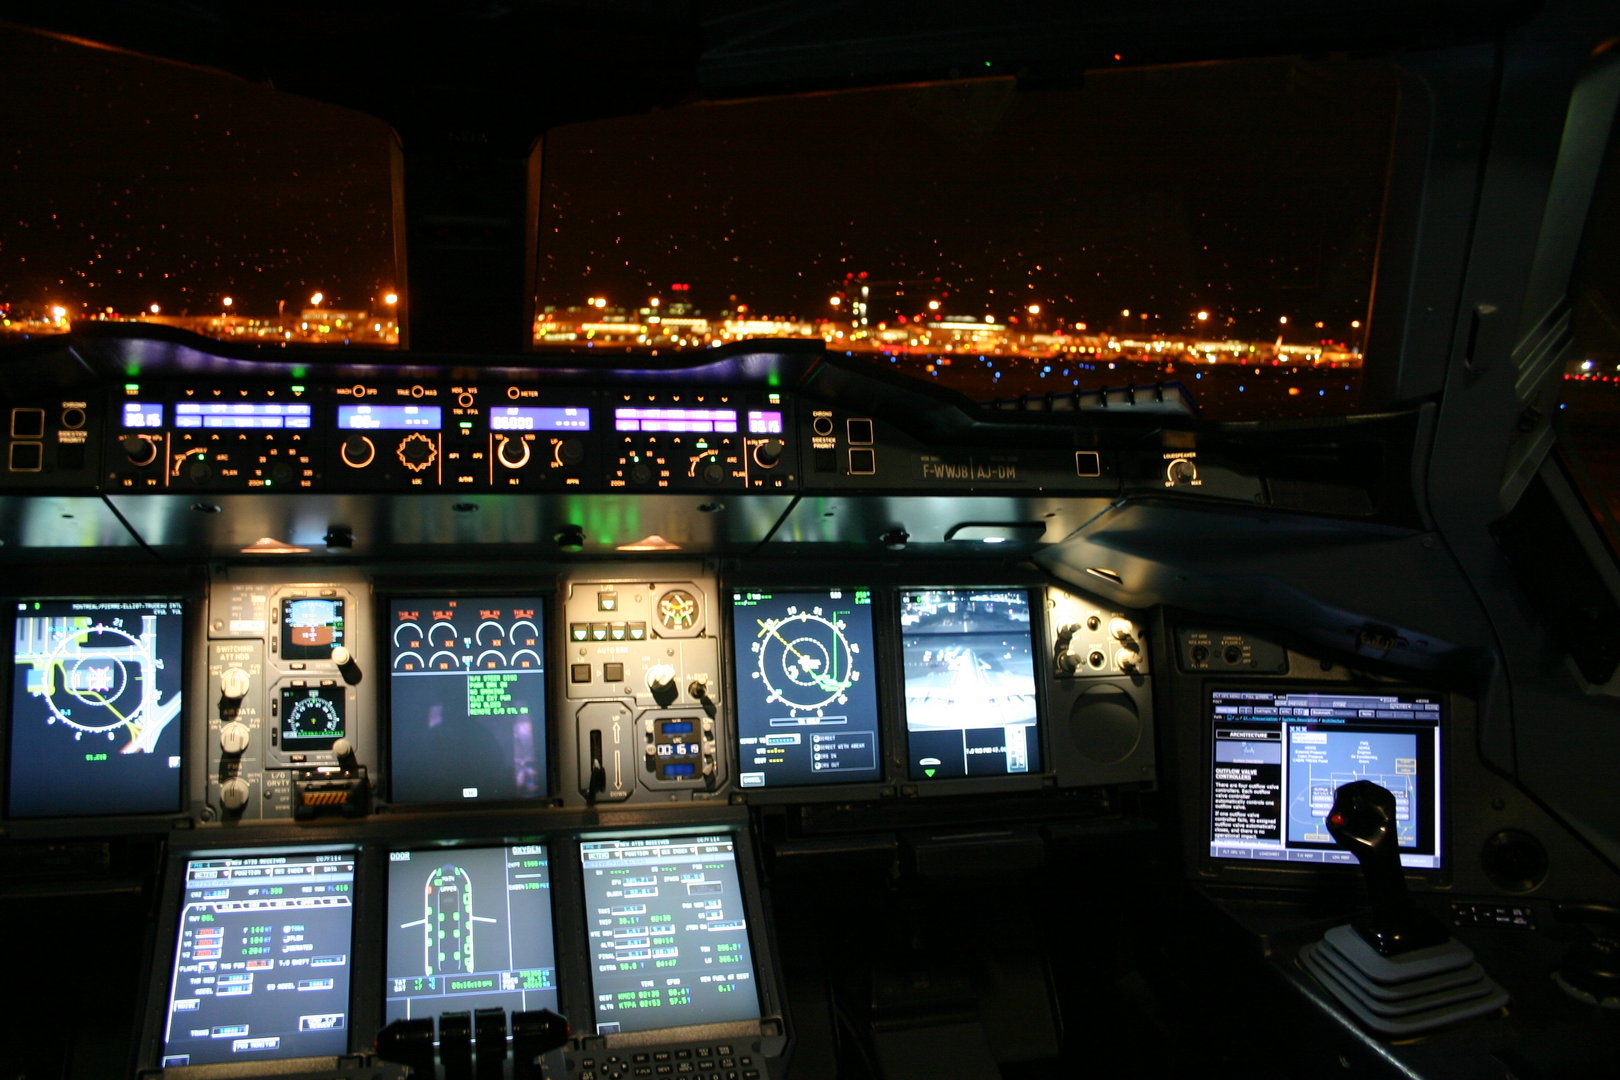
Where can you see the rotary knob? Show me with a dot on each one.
(1181, 471)
(713, 473)
(234, 737)
(513, 453)
(768, 453)
(141, 452)
(234, 683)
(198, 470)
(570, 452)
(641, 473)
(358, 451)
(417, 451)
(233, 793)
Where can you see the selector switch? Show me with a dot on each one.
(140, 452)
(234, 738)
(346, 665)
(234, 683)
(233, 793)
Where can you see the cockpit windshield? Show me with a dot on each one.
(1215, 225)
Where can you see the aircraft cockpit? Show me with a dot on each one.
(670, 612)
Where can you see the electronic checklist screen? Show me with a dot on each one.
(668, 933)
(261, 964)
(468, 929)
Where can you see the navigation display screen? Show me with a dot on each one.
(261, 967)
(310, 628)
(468, 686)
(1279, 756)
(469, 928)
(806, 696)
(970, 683)
(668, 933)
(95, 707)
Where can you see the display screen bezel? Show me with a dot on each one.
(131, 812)
(546, 756)
(914, 768)
(744, 667)
(1433, 866)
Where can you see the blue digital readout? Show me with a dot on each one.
(143, 414)
(528, 418)
(389, 417)
(763, 422)
(241, 414)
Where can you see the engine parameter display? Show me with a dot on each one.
(95, 707)
(468, 686)
(806, 697)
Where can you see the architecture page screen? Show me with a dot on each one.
(1279, 756)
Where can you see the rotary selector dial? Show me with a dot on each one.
(140, 451)
(234, 737)
(417, 451)
(1181, 471)
(234, 683)
(233, 793)
(513, 453)
(358, 451)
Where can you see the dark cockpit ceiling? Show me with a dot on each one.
(1099, 905)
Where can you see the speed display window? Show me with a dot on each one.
(806, 696)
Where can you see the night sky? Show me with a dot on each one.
(1249, 190)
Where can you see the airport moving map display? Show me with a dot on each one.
(95, 707)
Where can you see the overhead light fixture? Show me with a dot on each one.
(269, 545)
(1106, 575)
(997, 532)
(650, 542)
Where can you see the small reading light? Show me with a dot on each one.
(650, 542)
(997, 532)
(269, 545)
(1106, 575)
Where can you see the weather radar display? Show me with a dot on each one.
(806, 700)
(95, 705)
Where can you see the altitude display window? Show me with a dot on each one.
(470, 928)
(970, 683)
(95, 707)
(467, 678)
(806, 694)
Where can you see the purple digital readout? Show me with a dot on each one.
(143, 414)
(522, 418)
(678, 420)
(388, 417)
(761, 422)
(240, 414)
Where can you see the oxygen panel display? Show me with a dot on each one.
(469, 928)
(970, 683)
(806, 697)
(95, 707)
(468, 682)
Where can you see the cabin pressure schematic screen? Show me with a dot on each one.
(806, 699)
(261, 966)
(469, 928)
(1279, 757)
(970, 683)
(95, 707)
(467, 677)
(668, 934)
